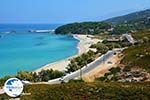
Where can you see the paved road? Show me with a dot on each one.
(85, 69)
(130, 38)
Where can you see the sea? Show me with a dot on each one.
(21, 50)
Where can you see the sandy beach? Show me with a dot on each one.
(85, 41)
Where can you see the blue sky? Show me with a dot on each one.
(66, 11)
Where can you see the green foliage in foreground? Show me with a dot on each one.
(43, 75)
(88, 91)
(46, 75)
(3, 80)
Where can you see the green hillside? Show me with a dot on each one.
(139, 55)
(140, 15)
(87, 91)
(120, 25)
(137, 20)
(135, 61)
(83, 28)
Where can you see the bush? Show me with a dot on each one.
(24, 75)
(101, 78)
(43, 75)
(115, 70)
(101, 48)
(46, 75)
(88, 91)
(137, 56)
(81, 61)
(76, 81)
(3, 80)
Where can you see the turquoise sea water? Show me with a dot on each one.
(24, 51)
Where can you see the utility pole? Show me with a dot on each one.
(103, 59)
(80, 73)
(81, 70)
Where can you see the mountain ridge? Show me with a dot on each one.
(129, 17)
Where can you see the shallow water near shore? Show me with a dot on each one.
(24, 51)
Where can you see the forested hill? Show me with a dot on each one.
(83, 28)
(131, 18)
(120, 25)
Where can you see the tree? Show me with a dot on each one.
(146, 39)
(81, 61)
(83, 28)
(3, 80)
(23, 75)
(46, 75)
(120, 29)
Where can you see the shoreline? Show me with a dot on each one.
(83, 46)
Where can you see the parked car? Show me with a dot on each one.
(109, 62)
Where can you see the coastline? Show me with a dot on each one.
(85, 41)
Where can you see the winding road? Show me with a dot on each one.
(77, 74)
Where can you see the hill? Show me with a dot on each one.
(135, 21)
(117, 25)
(138, 55)
(134, 65)
(83, 28)
(140, 15)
